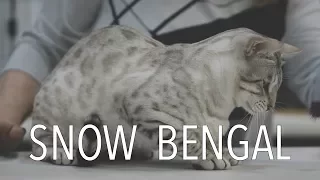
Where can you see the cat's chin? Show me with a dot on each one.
(251, 111)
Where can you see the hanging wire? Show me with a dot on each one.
(159, 27)
(114, 13)
(12, 23)
(173, 16)
(136, 16)
(125, 10)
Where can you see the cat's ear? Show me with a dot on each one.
(253, 46)
(257, 45)
(288, 51)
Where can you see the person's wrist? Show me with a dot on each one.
(11, 114)
(17, 91)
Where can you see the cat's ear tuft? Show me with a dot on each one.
(256, 45)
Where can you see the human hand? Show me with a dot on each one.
(17, 92)
(11, 135)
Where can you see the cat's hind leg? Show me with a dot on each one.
(142, 147)
(154, 117)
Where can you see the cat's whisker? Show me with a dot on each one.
(281, 108)
(249, 120)
(285, 74)
(286, 77)
(258, 119)
(279, 105)
(287, 71)
(278, 102)
(244, 118)
(312, 118)
(273, 110)
(262, 120)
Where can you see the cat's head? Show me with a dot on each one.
(261, 76)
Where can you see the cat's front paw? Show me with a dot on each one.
(62, 158)
(212, 163)
(231, 160)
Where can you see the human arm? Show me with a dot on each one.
(59, 25)
(302, 73)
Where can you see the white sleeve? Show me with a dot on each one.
(59, 25)
(303, 31)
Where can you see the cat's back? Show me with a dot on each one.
(102, 53)
(104, 46)
(82, 71)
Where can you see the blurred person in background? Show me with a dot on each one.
(61, 23)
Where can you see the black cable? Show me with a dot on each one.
(174, 15)
(125, 10)
(157, 29)
(12, 21)
(136, 16)
(114, 13)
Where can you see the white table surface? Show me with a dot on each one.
(304, 164)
